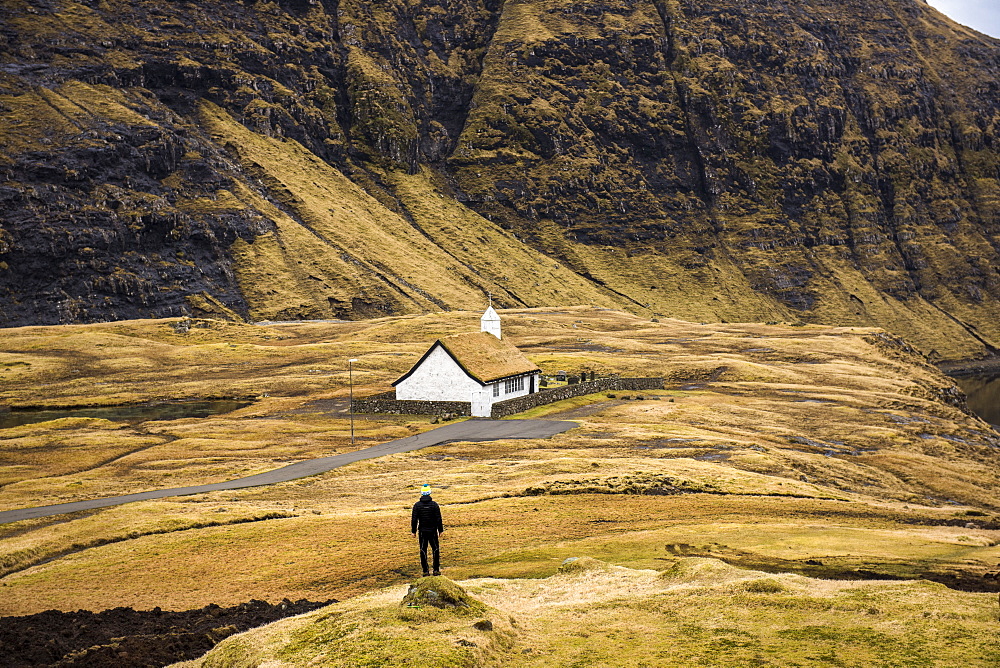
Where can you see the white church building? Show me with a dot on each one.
(478, 367)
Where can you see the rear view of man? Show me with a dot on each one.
(425, 522)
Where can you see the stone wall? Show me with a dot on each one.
(521, 404)
(387, 402)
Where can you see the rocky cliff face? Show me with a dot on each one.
(812, 161)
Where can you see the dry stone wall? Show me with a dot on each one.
(386, 402)
(548, 396)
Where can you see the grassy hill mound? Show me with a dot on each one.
(590, 613)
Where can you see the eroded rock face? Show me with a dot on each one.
(92, 234)
(828, 161)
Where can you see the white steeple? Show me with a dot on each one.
(490, 322)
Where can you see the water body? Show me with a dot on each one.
(984, 395)
(135, 413)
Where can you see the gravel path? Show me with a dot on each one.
(468, 430)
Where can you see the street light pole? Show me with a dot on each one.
(350, 382)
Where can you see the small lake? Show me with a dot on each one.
(171, 410)
(984, 395)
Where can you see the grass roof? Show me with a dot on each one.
(487, 358)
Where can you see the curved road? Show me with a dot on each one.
(469, 430)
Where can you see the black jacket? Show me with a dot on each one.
(426, 515)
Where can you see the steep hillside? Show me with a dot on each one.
(820, 161)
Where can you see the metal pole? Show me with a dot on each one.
(350, 376)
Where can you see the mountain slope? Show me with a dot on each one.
(830, 162)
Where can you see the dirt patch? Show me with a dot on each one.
(127, 637)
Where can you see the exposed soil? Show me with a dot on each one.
(127, 637)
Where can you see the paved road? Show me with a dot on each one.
(469, 430)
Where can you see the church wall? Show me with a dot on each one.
(482, 404)
(438, 378)
(504, 394)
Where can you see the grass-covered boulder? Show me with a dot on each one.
(440, 592)
(582, 565)
(703, 570)
(434, 623)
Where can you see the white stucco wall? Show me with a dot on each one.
(439, 378)
(483, 401)
(515, 393)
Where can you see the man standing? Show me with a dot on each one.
(426, 521)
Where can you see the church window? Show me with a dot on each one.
(513, 384)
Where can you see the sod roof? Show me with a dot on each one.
(481, 355)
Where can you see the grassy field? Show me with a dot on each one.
(698, 612)
(830, 457)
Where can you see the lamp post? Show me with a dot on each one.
(350, 382)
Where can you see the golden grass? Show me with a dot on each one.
(511, 270)
(56, 464)
(345, 254)
(66, 446)
(770, 447)
(698, 612)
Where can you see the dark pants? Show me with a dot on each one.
(429, 538)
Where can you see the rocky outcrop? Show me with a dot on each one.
(822, 161)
